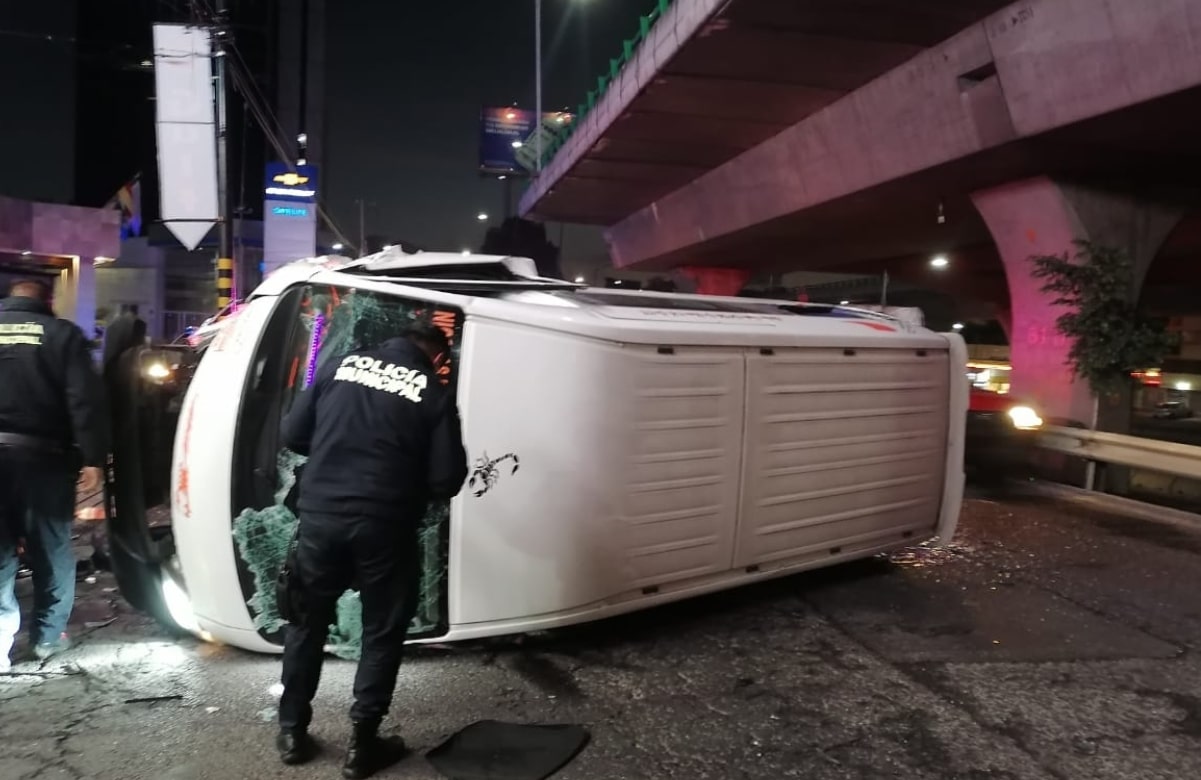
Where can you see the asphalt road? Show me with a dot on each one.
(1049, 641)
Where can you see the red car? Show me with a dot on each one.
(1000, 430)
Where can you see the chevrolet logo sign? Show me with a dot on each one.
(290, 179)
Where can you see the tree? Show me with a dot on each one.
(518, 237)
(1110, 337)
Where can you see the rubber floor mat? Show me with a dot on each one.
(491, 750)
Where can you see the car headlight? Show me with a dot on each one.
(1024, 418)
(179, 606)
(157, 371)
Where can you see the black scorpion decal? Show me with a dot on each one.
(486, 471)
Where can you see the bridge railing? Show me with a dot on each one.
(628, 47)
(1165, 457)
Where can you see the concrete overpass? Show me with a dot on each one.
(866, 134)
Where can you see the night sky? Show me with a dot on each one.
(37, 109)
(405, 83)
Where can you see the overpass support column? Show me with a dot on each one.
(717, 281)
(1043, 216)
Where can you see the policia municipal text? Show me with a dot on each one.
(383, 438)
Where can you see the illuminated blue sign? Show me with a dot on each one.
(289, 214)
(284, 182)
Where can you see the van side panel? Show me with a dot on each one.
(843, 448)
(679, 492)
(608, 473)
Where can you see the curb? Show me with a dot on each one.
(1152, 513)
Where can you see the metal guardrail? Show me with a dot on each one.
(1166, 457)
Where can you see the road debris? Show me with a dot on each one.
(153, 699)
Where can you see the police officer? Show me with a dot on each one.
(52, 425)
(383, 438)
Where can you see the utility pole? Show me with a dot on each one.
(538, 83)
(225, 259)
(362, 227)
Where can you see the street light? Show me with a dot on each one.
(537, 86)
(337, 247)
(482, 217)
(465, 252)
(579, 280)
(939, 261)
(957, 326)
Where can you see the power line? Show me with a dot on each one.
(264, 117)
(37, 36)
(122, 57)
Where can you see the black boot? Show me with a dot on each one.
(368, 752)
(295, 746)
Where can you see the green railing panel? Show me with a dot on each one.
(628, 48)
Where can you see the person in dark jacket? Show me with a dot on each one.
(383, 438)
(52, 426)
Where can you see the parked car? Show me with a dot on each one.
(1172, 410)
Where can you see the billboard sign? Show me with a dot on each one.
(553, 124)
(290, 183)
(502, 133)
(508, 138)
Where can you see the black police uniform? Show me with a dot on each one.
(50, 391)
(52, 422)
(383, 439)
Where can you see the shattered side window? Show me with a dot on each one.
(331, 322)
